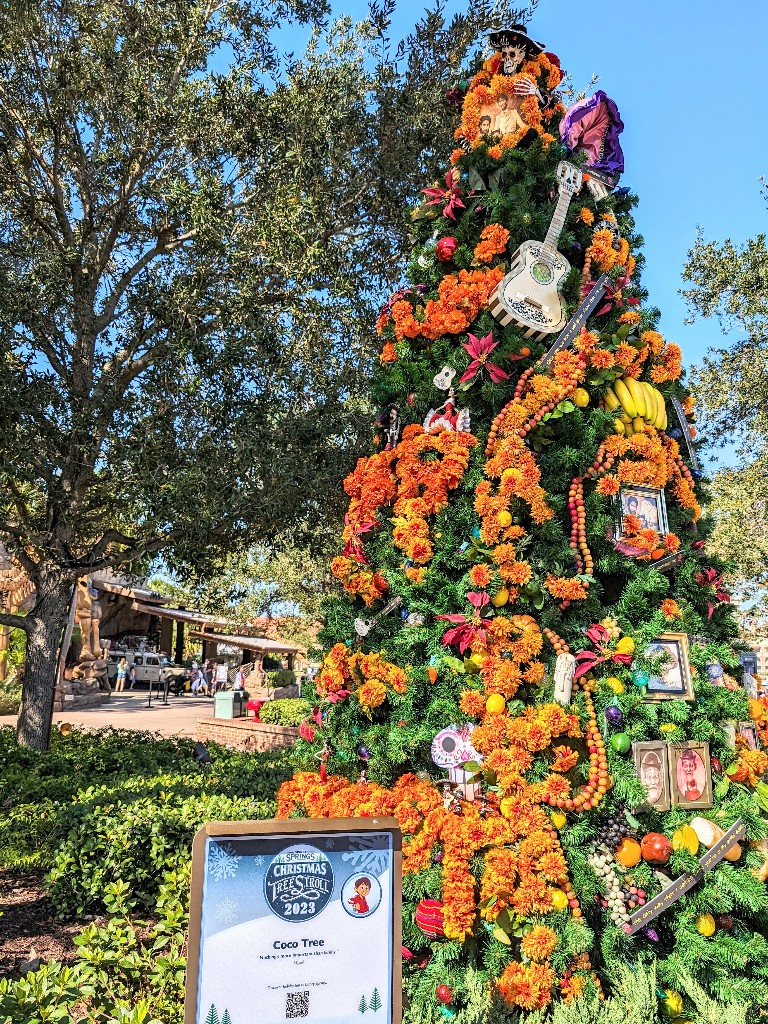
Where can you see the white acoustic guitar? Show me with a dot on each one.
(529, 295)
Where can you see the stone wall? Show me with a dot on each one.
(245, 734)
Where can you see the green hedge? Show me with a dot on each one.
(291, 711)
(282, 677)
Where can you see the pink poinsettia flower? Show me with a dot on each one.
(450, 195)
(467, 629)
(480, 349)
(599, 637)
(613, 295)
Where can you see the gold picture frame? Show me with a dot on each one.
(690, 775)
(651, 759)
(675, 681)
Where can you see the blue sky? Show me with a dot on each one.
(688, 79)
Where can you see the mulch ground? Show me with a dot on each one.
(29, 927)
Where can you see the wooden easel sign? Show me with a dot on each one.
(296, 920)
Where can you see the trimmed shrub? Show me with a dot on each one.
(291, 711)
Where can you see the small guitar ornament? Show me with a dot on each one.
(529, 294)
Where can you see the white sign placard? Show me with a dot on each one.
(295, 920)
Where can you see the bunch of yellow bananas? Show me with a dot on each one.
(640, 403)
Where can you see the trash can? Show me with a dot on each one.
(224, 704)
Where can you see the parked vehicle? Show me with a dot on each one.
(151, 667)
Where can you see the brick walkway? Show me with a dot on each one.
(130, 711)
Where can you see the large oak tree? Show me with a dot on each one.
(729, 281)
(195, 230)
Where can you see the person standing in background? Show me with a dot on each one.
(122, 668)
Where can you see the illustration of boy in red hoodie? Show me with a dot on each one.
(359, 901)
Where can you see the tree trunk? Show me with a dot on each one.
(44, 628)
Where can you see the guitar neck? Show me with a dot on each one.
(572, 329)
(558, 222)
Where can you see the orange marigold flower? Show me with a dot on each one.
(480, 575)
(493, 240)
(672, 542)
(653, 340)
(527, 985)
(495, 152)
(608, 485)
(586, 341)
(539, 943)
(388, 354)
(472, 703)
(630, 317)
(625, 354)
(556, 787)
(565, 758)
(586, 215)
(415, 573)
(670, 609)
(456, 155)
(565, 589)
(602, 359)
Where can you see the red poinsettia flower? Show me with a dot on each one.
(353, 548)
(467, 629)
(712, 579)
(480, 349)
(450, 195)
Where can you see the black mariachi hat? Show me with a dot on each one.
(515, 36)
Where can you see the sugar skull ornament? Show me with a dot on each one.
(451, 748)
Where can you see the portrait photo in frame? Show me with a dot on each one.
(690, 774)
(648, 504)
(652, 768)
(748, 732)
(674, 681)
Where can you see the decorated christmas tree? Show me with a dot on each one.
(535, 665)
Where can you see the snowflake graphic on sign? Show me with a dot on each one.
(223, 862)
(366, 854)
(226, 911)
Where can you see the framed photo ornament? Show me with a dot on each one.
(647, 504)
(296, 919)
(652, 768)
(690, 774)
(674, 681)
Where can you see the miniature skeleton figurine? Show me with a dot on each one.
(393, 428)
(486, 806)
(447, 417)
(450, 800)
(392, 424)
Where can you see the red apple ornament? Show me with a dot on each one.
(445, 248)
(655, 848)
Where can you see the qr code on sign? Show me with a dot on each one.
(296, 1005)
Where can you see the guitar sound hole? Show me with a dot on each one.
(541, 273)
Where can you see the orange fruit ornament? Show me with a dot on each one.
(628, 852)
